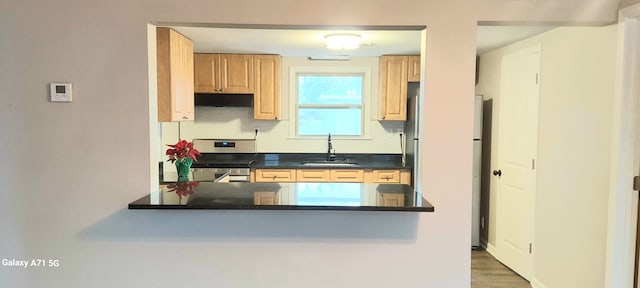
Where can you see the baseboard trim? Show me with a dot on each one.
(491, 249)
(537, 284)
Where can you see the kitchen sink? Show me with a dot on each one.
(336, 163)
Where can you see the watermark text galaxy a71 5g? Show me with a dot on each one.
(30, 263)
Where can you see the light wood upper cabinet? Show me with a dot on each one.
(413, 74)
(175, 76)
(206, 73)
(266, 99)
(223, 73)
(393, 92)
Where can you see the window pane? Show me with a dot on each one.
(337, 121)
(330, 89)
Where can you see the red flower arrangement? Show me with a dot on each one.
(182, 149)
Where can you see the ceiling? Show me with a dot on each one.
(310, 42)
(492, 37)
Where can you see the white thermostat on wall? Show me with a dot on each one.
(61, 92)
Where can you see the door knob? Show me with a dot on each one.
(497, 172)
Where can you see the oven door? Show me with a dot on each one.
(210, 174)
(221, 174)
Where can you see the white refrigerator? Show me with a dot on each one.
(477, 169)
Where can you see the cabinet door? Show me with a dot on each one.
(347, 175)
(206, 73)
(174, 75)
(266, 198)
(275, 175)
(413, 74)
(383, 176)
(405, 177)
(266, 98)
(185, 75)
(236, 73)
(312, 175)
(391, 199)
(393, 73)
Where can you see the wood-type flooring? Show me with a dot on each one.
(487, 272)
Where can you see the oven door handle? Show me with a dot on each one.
(225, 178)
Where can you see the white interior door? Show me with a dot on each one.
(517, 150)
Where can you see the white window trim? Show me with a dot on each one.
(366, 97)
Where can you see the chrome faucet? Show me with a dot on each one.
(331, 156)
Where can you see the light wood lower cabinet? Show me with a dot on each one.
(390, 199)
(347, 175)
(313, 175)
(382, 176)
(405, 177)
(266, 198)
(332, 175)
(275, 175)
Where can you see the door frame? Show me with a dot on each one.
(625, 152)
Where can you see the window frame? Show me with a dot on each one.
(363, 71)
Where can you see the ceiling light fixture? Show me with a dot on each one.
(342, 41)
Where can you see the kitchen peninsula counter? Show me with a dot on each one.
(285, 196)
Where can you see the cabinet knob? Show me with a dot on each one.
(185, 117)
(497, 172)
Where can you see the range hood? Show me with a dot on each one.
(223, 100)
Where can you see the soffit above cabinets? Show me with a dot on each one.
(299, 42)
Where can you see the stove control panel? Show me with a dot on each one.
(225, 145)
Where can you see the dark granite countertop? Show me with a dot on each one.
(285, 196)
(358, 161)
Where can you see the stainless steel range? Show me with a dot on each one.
(224, 160)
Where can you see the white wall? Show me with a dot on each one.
(576, 102)
(279, 136)
(71, 169)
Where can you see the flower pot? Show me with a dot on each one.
(183, 165)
